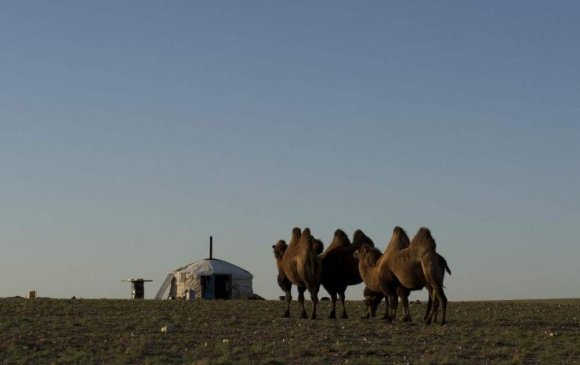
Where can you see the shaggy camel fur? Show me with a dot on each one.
(340, 267)
(303, 268)
(410, 267)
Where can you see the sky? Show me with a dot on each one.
(132, 131)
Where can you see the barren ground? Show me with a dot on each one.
(45, 331)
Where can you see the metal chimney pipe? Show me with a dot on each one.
(210, 247)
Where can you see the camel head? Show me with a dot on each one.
(279, 249)
(368, 254)
(359, 239)
(317, 245)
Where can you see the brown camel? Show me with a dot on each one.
(340, 267)
(283, 282)
(303, 268)
(408, 267)
(423, 246)
(376, 274)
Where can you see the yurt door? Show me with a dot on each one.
(223, 286)
(216, 286)
(207, 287)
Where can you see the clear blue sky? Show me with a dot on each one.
(132, 131)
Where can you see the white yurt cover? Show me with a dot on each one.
(188, 278)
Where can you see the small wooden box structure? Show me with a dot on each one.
(138, 287)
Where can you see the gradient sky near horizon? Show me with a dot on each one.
(132, 131)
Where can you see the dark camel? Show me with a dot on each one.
(340, 267)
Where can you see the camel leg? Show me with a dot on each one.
(369, 307)
(372, 310)
(375, 302)
(369, 301)
(434, 307)
(301, 301)
(288, 301)
(395, 304)
(342, 300)
(387, 299)
(391, 301)
(314, 298)
(333, 311)
(404, 295)
(441, 296)
(429, 303)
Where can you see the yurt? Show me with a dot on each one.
(207, 279)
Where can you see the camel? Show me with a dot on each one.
(405, 267)
(302, 267)
(375, 273)
(340, 267)
(283, 282)
(423, 244)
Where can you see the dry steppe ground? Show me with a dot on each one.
(78, 331)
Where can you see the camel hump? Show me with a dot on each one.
(424, 240)
(402, 235)
(399, 231)
(339, 241)
(306, 238)
(339, 232)
(359, 238)
(296, 233)
(399, 240)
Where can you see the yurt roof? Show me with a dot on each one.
(215, 266)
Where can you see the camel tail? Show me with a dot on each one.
(444, 264)
(316, 271)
